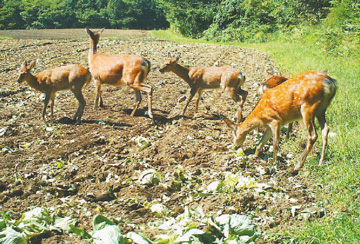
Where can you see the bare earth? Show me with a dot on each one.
(72, 167)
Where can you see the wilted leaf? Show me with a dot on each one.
(159, 209)
(137, 238)
(293, 210)
(80, 232)
(33, 215)
(100, 222)
(64, 223)
(110, 234)
(236, 224)
(187, 236)
(246, 182)
(3, 130)
(10, 236)
(149, 177)
(142, 142)
(214, 186)
(106, 231)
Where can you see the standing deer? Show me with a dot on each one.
(272, 82)
(117, 70)
(305, 96)
(70, 77)
(202, 78)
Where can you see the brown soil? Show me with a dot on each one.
(72, 167)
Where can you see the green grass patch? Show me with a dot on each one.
(340, 176)
(5, 38)
(171, 36)
(174, 37)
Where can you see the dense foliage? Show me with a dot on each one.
(333, 24)
(216, 20)
(239, 20)
(46, 14)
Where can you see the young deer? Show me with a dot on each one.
(117, 70)
(305, 96)
(201, 78)
(71, 77)
(272, 82)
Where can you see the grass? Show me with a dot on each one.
(340, 177)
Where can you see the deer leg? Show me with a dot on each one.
(101, 103)
(275, 128)
(79, 96)
(144, 88)
(263, 141)
(46, 102)
(324, 131)
(200, 91)
(192, 94)
(138, 101)
(52, 105)
(243, 95)
(290, 126)
(98, 98)
(233, 94)
(310, 126)
(149, 91)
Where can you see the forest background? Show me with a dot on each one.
(336, 21)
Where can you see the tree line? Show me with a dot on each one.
(52, 14)
(217, 20)
(240, 20)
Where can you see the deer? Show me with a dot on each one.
(304, 96)
(272, 82)
(50, 81)
(203, 78)
(118, 70)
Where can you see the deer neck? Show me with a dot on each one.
(93, 48)
(249, 124)
(33, 82)
(182, 72)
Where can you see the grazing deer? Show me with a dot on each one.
(272, 82)
(305, 96)
(70, 77)
(117, 70)
(201, 78)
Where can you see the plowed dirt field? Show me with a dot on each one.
(94, 168)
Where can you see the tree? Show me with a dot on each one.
(148, 14)
(10, 17)
(190, 17)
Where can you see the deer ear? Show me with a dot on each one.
(230, 124)
(100, 31)
(88, 31)
(32, 65)
(24, 63)
(177, 58)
